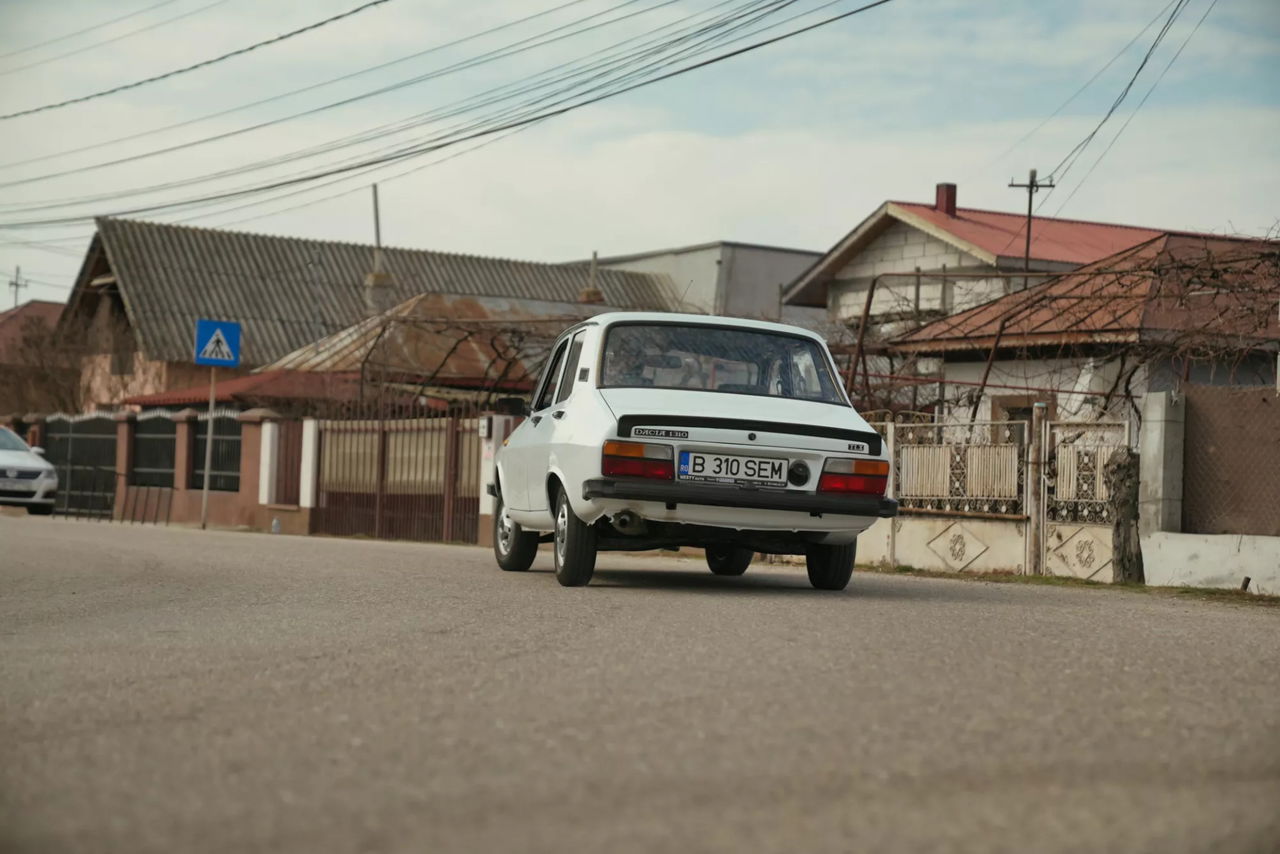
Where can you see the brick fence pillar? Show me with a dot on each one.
(126, 426)
(184, 444)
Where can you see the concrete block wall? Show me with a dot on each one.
(899, 249)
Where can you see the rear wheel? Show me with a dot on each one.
(830, 567)
(728, 560)
(575, 546)
(513, 547)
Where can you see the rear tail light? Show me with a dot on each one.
(864, 477)
(637, 459)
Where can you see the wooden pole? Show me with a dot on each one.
(208, 451)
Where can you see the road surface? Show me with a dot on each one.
(168, 690)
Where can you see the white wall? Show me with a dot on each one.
(694, 273)
(752, 278)
(1212, 560)
(946, 544)
(900, 248)
(723, 278)
(1081, 384)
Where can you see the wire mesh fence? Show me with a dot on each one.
(1231, 461)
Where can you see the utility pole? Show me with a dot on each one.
(1031, 187)
(16, 284)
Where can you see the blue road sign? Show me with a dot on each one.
(218, 343)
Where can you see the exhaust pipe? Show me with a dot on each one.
(628, 523)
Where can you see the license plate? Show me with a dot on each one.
(23, 485)
(718, 468)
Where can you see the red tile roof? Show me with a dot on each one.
(1004, 234)
(1174, 285)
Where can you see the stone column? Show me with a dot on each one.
(251, 423)
(1160, 452)
(310, 468)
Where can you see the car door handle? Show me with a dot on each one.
(558, 414)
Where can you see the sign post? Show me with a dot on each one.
(217, 345)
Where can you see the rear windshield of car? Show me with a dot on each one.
(717, 358)
(9, 441)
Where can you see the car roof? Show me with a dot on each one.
(614, 317)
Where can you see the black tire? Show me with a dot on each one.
(830, 567)
(39, 509)
(728, 560)
(575, 546)
(513, 547)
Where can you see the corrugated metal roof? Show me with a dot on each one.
(266, 386)
(1003, 234)
(1147, 291)
(288, 291)
(454, 339)
(995, 236)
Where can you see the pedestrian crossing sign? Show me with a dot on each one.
(218, 343)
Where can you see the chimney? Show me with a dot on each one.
(946, 199)
(591, 293)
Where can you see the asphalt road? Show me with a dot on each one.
(167, 690)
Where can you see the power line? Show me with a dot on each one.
(203, 64)
(272, 122)
(292, 92)
(557, 109)
(1086, 85)
(381, 132)
(88, 29)
(113, 40)
(1120, 132)
(1074, 153)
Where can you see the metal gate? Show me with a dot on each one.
(1077, 510)
(404, 478)
(148, 495)
(83, 449)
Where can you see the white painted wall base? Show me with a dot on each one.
(946, 544)
(1212, 560)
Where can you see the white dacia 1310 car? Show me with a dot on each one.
(651, 430)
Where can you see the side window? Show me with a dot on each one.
(551, 379)
(570, 368)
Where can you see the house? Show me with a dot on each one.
(143, 285)
(34, 375)
(1173, 309)
(727, 278)
(936, 259)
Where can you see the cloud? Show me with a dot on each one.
(792, 145)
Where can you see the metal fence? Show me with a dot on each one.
(224, 472)
(1077, 454)
(155, 445)
(1231, 462)
(966, 468)
(411, 478)
(83, 449)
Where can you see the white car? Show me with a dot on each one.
(656, 431)
(26, 478)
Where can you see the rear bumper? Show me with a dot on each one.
(727, 496)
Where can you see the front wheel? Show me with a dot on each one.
(513, 546)
(830, 567)
(575, 542)
(728, 560)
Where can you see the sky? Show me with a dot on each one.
(790, 145)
